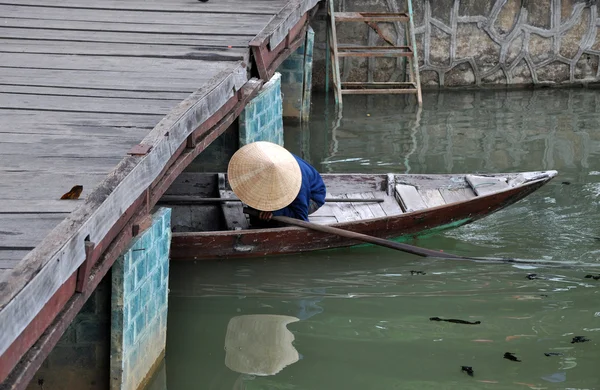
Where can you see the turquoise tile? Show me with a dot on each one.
(165, 272)
(125, 260)
(133, 306)
(145, 291)
(140, 271)
(128, 338)
(140, 323)
(129, 282)
(156, 281)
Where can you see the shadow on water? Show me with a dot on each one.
(360, 319)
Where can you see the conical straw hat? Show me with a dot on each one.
(264, 175)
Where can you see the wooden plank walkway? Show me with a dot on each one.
(83, 82)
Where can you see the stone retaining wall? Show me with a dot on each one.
(480, 42)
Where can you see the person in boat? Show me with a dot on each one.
(275, 182)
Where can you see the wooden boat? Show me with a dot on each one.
(408, 206)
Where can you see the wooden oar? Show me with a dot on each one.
(189, 199)
(415, 250)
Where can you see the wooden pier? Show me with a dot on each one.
(118, 96)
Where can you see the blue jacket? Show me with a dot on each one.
(312, 188)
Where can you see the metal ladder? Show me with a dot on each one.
(409, 51)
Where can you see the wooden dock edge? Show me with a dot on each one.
(28, 287)
(282, 36)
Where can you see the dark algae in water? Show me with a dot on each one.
(455, 321)
(579, 339)
(511, 356)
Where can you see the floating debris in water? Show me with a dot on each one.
(467, 369)
(566, 183)
(579, 339)
(417, 273)
(553, 354)
(455, 321)
(511, 356)
(556, 377)
(532, 276)
(595, 277)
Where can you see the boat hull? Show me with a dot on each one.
(289, 240)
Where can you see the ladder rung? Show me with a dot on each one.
(374, 51)
(377, 83)
(378, 91)
(370, 17)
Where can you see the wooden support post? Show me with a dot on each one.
(83, 273)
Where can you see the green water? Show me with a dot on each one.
(361, 317)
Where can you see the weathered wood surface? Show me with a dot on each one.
(265, 7)
(484, 185)
(173, 65)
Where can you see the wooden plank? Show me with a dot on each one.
(85, 104)
(452, 195)
(409, 198)
(233, 212)
(191, 183)
(59, 255)
(8, 264)
(113, 80)
(84, 92)
(166, 68)
(323, 211)
(30, 185)
(275, 32)
(30, 206)
(484, 185)
(335, 208)
(10, 257)
(432, 198)
(362, 210)
(389, 205)
(322, 219)
(375, 207)
(75, 123)
(260, 7)
(188, 40)
(63, 146)
(36, 167)
(56, 146)
(165, 17)
(227, 27)
(116, 50)
(26, 230)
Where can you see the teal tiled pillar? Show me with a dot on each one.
(139, 305)
(296, 80)
(261, 120)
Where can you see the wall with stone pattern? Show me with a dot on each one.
(479, 42)
(139, 305)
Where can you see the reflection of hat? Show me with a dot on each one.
(259, 344)
(264, 175)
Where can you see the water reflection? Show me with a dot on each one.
(485, 131)
(259, 344)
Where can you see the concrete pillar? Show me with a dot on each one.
(261, 120)
(296, 80)
(139, 306)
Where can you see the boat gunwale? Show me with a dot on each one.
(521, 187)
